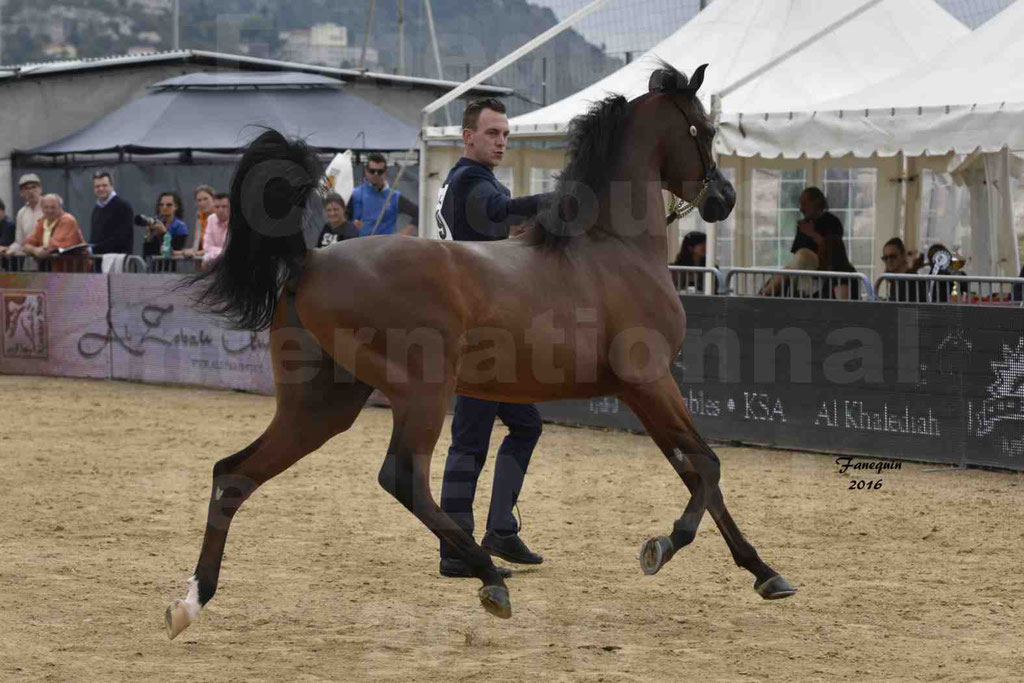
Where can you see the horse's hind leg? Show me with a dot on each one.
(405, 474)
(315, 400)
(661, 409)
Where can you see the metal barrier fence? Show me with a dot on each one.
(68, 263)
(950, 289)
(798, 284)
(692, 279)
(182, 265)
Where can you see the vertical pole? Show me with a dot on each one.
(703, 5)
(176, 33)
(366, 35)
(437, 54)
(401, 37)
(544, 81)
(424, 211)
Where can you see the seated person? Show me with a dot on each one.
(56, 230)
(337, 227)
(898, 260)
(168, 214)
(216, 237)
(692, 252)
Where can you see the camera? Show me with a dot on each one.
(144, 221)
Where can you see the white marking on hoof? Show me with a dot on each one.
(182, 613)
(218, 493)
(678, 453)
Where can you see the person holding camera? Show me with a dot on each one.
(168, 221)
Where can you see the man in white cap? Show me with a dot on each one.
(31, 189)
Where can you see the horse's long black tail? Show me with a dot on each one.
(271, 188)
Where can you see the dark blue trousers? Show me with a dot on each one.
(471, 434)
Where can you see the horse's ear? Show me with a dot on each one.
(697, 79)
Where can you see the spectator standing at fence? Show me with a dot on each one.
(28, 216)
(217, 225)
(112, 216)
(56, 230)
(693, 253)
(204, 196)
(6, 227)
(337, 227)
(169, 220)
(899, 262)
(368, 199)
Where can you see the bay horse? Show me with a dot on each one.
(580, 305)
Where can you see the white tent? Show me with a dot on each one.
(967, 100)
(739, 37)
(968, 97)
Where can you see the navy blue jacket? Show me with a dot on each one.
(473, 206)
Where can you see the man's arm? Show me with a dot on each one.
(489, 210)
(407, 208)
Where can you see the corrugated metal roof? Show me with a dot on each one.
(203, 57)
(222, 80)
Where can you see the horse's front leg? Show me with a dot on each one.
(405, 474)
(660, 407)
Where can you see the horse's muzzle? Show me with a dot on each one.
(720, 199)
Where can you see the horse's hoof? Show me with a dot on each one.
(495, 600)
(775, 588)
(655, 553)
(176, 618)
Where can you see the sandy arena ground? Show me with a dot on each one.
(103, 494)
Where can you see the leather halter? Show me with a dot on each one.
(681, 207)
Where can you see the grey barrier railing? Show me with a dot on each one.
(798, 284)
(950, 289)
(68, 263)
(691, 279)
(182, 265)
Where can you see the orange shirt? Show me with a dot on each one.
(65, 234)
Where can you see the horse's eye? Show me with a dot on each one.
(693, 131)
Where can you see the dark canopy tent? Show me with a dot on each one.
(189, 131)
(221, 112)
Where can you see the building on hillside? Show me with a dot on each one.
(325, 44)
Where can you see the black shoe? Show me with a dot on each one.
(509, 548)
(457, 569)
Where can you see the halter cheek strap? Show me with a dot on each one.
(681, 207)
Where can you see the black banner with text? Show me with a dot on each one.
(922, 382)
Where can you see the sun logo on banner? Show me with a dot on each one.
(1005, 406)
(25, 332)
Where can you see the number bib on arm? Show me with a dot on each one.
(444, 231)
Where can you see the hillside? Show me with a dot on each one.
(41, 30)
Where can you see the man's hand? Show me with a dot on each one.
(358, 223)
(807, 228)
(3, 251)
(39, 252)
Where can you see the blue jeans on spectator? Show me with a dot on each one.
(471, 435)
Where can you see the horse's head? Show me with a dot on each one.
(686, 135)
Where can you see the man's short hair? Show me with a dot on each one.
(895, 242)
(473, 109)
(376, 158)
(205, 188)
(222, 195)
(334, 198)
(103, 174)
(817, 195)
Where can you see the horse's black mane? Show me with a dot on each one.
(593, 141)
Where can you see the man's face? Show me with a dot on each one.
(374, 172)
(102, 187)
(809, 206)
(487, 143)
(51, 209)
(222, 207)
(31, 192)
(335, 213)
(166, 206)
(895, 260)
(700, 251)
